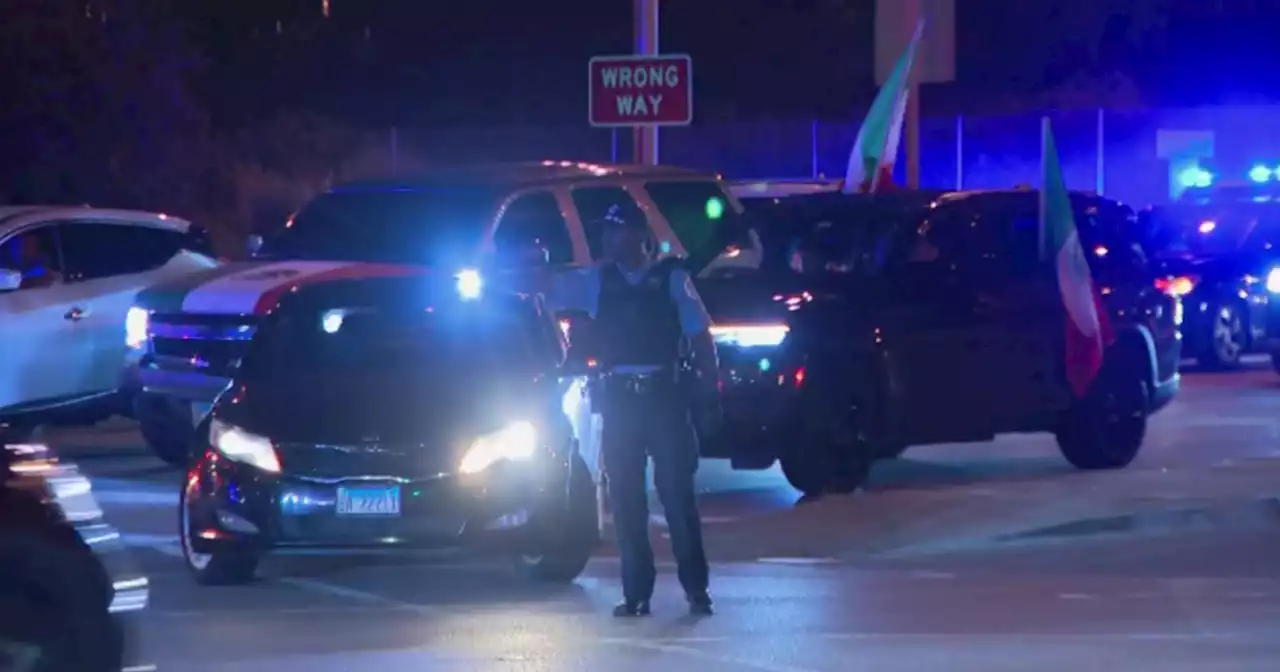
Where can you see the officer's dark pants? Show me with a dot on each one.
(637, 425)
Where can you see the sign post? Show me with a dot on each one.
(641, 92)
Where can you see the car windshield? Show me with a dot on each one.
(700, 215)
(397, 226)
(423, 342)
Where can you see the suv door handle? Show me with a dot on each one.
(76, 314)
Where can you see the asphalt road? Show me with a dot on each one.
(983, 557)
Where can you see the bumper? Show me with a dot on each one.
(1163, 392)
(233, 504)
(184, 385)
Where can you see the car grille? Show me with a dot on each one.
(211, 344)
(336, 462)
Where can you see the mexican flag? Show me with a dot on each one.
(1088, 329)
(876, 148)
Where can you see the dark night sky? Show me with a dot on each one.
(511, 60)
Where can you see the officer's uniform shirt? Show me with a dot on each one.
(580, 290)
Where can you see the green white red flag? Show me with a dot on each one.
(1088, 328)
(876, 147)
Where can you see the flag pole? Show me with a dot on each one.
(1044, 173)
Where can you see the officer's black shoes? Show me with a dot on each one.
(631, 609)
(700, 604)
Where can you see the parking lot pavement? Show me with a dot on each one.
(974, 557)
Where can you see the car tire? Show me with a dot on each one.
(223, 567)
(562, 558)
(54, 601)
(167, 433)
(1105, 430)
(833, 454)
(1227, 338)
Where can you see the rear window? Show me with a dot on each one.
(399, 226)
(444, 344)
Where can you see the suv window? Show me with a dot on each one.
(697, 210)
(596, 203)
(987, 242)
(99, 249)
(35, 253)
(387, 225)
(534, 220)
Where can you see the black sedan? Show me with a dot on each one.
(393, 412)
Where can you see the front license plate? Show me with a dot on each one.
(199, 411)
(369, 501)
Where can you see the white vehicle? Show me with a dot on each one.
(68, 276)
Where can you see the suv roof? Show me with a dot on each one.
(533, 173)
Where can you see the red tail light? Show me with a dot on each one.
(1179, 286)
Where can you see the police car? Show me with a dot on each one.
(68, 276)
(509, 219)
(395, 413)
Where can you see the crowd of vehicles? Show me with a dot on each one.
(850, 327)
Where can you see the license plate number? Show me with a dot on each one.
(199, 411)
(381, 501)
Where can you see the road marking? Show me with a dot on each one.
(798, 561)
(334, 590)
(1076, 596)
(933, 575)
(743, 663)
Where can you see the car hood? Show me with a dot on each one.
(434, 420)
(253, 287)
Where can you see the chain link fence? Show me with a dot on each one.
(1114, 152)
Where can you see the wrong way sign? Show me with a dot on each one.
(640, 90)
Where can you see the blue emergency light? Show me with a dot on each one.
(1261, 174)
(1196, 176)
(470, 284)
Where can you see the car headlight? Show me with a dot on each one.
(242, 446)
(136, 324)
(750, 335)
(1273, 280)
(517, 441)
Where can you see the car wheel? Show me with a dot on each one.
(1105, 430)
(226, 567)
(1227, 339)
(53, 612)
(167, 433)
(562, 556)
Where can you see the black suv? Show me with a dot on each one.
(920, 318)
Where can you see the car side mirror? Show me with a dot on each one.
(252, 244)
(10, 280)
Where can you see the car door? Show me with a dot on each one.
(1017, 311)
(107, 264)
(975, 321)
(47, 347)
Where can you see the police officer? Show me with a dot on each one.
(643, 311)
